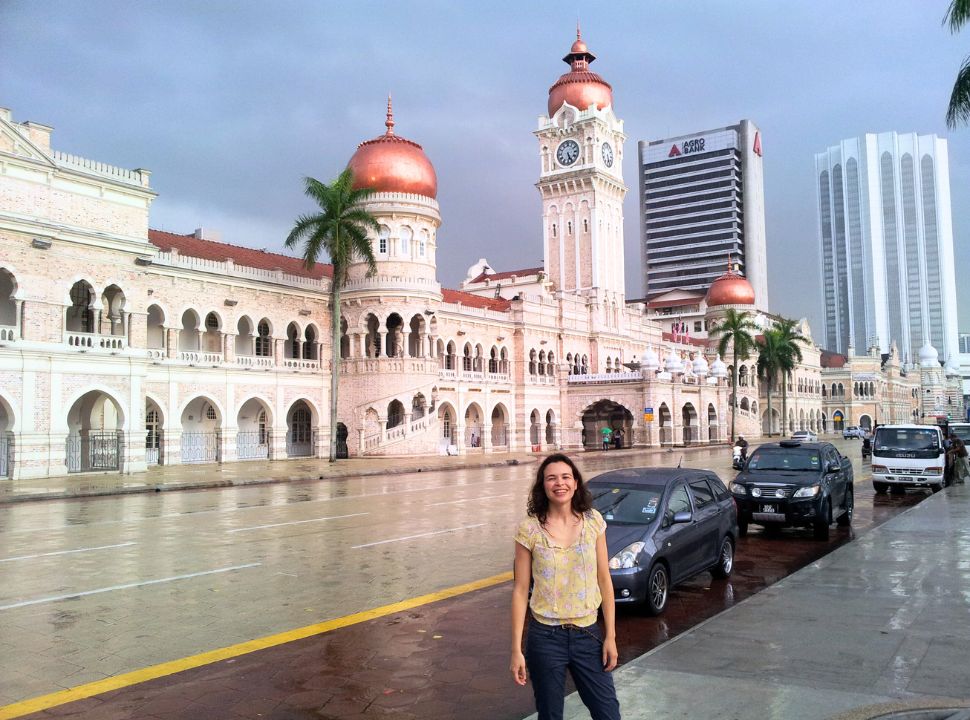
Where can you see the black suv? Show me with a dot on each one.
(790, 483)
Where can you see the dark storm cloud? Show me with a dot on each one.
(231, 103)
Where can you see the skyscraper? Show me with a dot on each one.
(886, 244)
(701, 204)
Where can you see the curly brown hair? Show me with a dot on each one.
(538, 506)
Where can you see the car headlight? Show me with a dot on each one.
(738, 488)
(881, 469)
(627, 557)
(807, 492)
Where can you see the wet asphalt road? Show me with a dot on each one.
(155, 568)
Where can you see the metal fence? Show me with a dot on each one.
(300, 443)
(93, 451)
(252, 445)
(6, 454)
(153, 447)
(201, 447)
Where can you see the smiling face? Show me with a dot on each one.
(559, 483)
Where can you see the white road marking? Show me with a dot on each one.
(295, 522)
(126, 586)
(483, 497)
(412, 537)
(66, 552)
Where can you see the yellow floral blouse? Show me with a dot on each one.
(566, 590)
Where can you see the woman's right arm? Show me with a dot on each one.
(521, 576)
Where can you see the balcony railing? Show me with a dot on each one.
(300, 364)
(257, 361)
(606, 377)
(194, 357)
(84, 341)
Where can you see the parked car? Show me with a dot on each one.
(804, 436)
(663, 526)
(908, 455)
(793, 484)
(853, 431)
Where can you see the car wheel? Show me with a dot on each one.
(820, 529)
(880, 487)
(845, 519)
(936, 487)
(658, 588)
(725, 561)
(742, 528)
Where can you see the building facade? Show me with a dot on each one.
(701, 207)
(886, 245)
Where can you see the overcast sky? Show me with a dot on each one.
(230, 104)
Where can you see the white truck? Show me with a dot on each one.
(907, 456)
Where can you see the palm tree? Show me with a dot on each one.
(958, 111)
(340, 228)
(735, 330)
(769, 365)
(790, 354)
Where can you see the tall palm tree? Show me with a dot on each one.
(339, 228)
(790, 354)
(958, 111)
(769, 365)
(735, 330)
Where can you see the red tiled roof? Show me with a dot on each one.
(829, 359)
(469, 300)
(191, 246)
(525, 272)
(687, 341)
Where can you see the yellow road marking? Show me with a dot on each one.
(117, 682)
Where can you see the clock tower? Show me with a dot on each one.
(581, 183)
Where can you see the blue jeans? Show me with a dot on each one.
(549, 650)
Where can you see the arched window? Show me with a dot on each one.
(264, 342)
(541, 368)
(80, 316)
(533, 370)
(310, 343)
(8, 306)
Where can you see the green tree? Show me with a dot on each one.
(769, 365)
(734, 331)
(339, 228)
(790, 354)
(957, 15)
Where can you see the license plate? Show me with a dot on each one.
(768, 508)
(906, 478)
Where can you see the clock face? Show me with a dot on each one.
(607, 155)
(568, 152)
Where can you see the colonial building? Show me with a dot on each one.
(123, 347)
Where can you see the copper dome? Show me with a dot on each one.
(390, 163)
(579, 87)
(731, 288)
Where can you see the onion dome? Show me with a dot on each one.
(579, 87)
(700, 365)
(674, 363)
(390, 163)
(732, 288)
(718, 368)
(928, 356)
(650, 361)
(951, 367)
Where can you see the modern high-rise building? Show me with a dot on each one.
(701, 205)
(886, 245)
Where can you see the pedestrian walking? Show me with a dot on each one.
(561, 548)
(607, 433)
(959, 460)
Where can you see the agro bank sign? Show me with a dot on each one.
(687, 145)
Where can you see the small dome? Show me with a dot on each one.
(674, 363)
(952, 368)
(731, 288)
(700, 365)
(928, 356)
(579, 87)
(650, 361)
(718, 368)
(390, 163)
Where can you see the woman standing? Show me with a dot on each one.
(561, 547)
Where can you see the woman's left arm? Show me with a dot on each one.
(610, 654)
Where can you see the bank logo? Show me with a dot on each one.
(674, 151)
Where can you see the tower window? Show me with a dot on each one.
(585, 225)
(569, 227)
(382, 245)
(554, 229)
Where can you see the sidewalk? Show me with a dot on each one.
(879, 625)
(194, 477)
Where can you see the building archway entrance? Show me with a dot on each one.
(6, 437)
(690, 423)
(95, 439)
(299, 430)
(342, 451)
(153, 433)
(838, 421)
(254, 424)
(201, 432)
(602, 414)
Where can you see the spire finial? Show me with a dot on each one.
(579, 34)
(390, 117)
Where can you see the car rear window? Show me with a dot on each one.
(627, 505)
(795, 459)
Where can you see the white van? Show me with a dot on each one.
(907, 456)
